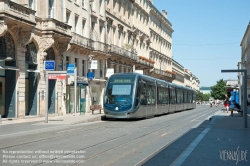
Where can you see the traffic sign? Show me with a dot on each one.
(70, 69)
(49, 65)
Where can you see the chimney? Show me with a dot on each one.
(164, 13)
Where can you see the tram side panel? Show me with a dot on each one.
(179, 99)
(172, 104)
(163, 99)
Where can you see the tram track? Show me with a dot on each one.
(68, 132)
(175, 121)
(130, 141)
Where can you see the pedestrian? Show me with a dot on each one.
(217, 102)
(211, 103)
(236, 107)
(226, 103)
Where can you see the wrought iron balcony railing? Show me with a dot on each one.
(161, 72)
(99, 46)
(123, 52)
(82, 41)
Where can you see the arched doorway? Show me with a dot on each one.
(52, 84)
(7, 77)
(31, 81)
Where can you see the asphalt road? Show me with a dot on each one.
(113, 142)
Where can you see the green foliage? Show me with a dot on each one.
(202, 97)
(219, 90)
(199, 96)
(206, 97)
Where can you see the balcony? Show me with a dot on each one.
(15, 12)
(132, 55)
(54, 26)
(100, 50)
(82, 41)
(157, 73)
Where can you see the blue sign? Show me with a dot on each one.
(90, 75)
(49, 65)
(70, 69)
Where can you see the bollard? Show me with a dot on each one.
(0, 119)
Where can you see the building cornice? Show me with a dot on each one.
(245, 34)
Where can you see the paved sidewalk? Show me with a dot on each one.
(64, 119)
(222, 140)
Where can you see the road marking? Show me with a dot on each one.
(31, 131)
(198, 117)
(184, 155)
(68, 130)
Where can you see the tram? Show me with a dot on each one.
(133, 95)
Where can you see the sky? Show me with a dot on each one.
(207, 35)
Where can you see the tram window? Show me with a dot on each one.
(172, 96)
(179, 96)
(185, 96)
(138, 93)
(162, 95)
(152, 94)
(143, 97)
(166, 92)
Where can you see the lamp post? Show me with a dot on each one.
(244, 82)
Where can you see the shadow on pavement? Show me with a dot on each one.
(225, 142)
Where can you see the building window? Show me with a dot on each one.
(100, 66)
(32, 4)
(83, 67)
(101, 34)
(76, 21)
(76, 66)
(67, 61)
(67, 16)
(83, 26)
(75, 62)
(51, 9)
(82, 2)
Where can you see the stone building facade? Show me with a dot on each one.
(123, 35)
(245, 60)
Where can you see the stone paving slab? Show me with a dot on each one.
(226, 135)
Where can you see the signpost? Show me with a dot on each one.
(71, 70)
(62, 74)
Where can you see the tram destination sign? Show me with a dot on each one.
(123, 80)
(49, 65)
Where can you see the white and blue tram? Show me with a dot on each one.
(133, 95)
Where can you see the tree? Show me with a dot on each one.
(219, 90)
(199, 96)
(202, 97)
(206, 97)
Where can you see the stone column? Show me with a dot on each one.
(44, 42)
(22, 38)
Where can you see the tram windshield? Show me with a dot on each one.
(119, 90)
